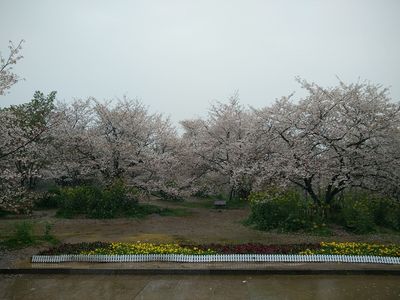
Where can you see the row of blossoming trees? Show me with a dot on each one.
(331, 140)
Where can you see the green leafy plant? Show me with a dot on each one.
(358, 216)
(283, 210)
(116, 200)
(95, 202)
(386, 212)
(24, 232)
(22, 236)
(47, 236)
(236, 203)
(362, 212)
(49, 199)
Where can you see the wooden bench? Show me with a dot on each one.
(220, 203)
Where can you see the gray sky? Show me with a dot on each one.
(177, 56)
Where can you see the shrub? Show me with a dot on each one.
(48, 200)
(361, 213)
(76, 200)
(114, 201)
(386, 212)
(24, 232)
(117, 200)
(284, 210)
(357, 216)
(236, 203)
(94, 202)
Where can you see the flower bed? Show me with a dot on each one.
(332, 248)
(351, 248)
(257, 248)
(147, 248)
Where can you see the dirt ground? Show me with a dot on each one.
(203, 225)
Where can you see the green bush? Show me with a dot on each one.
(94, 202)
(117, 200)
(24, 232)
(49, 200)
(283, 210)
(114, 201)
(76, 200)
(357, 216)
(236, 203)
(361, 213)
(386, 212)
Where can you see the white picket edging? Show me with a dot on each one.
(182, 258)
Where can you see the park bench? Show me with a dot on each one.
(220, 203)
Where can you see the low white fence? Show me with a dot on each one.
(182, 258)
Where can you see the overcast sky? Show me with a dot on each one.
(178, 56)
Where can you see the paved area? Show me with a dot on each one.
(198, 287)
(212, 266)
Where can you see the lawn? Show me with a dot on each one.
(192, 222)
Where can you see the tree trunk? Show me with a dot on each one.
(231, 193)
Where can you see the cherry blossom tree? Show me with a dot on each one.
(117, 140)
(7, 77)
(222, 146)
(333, 139)
(23, 149)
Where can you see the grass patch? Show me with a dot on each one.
(139, 211)
(144, 210)
(175, 212)
(236, 203)
(23, 236)
(203, 203)
(322, 230)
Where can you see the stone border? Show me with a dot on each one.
(182, 258)
(176, 271)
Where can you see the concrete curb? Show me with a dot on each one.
(81, 271)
